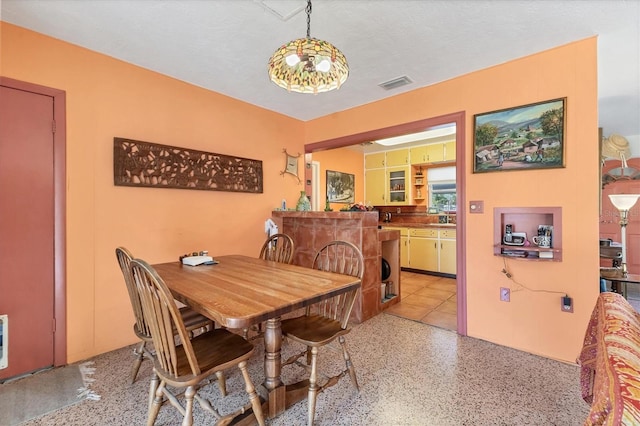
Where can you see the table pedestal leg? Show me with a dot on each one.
(272, 365)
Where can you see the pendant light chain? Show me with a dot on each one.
(308, 65)
(308, 10)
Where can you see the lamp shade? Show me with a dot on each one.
(308, 65)
(624, 201)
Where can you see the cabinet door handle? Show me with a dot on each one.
(435, 245)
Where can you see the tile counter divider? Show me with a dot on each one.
(311, 230)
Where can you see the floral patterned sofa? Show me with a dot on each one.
(610, 363)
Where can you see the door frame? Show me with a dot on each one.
(59, 211)
(412, 127)
(315, 186)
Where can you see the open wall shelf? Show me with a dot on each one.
(528, 220)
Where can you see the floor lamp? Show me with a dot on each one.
(624, 203)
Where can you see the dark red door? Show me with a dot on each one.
(27, 229)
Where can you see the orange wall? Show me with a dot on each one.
(532, 321)
(344, 160)
(108, 98)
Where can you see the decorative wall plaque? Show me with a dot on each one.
(291, 165)
(137, 163)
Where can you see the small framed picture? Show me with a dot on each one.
(340, 187)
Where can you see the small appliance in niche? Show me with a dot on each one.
(508, 233)
(386, 286)
(513, 238)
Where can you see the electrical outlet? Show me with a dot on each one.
(566, 304)
(505, 294)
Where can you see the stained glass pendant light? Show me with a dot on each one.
(308, 65)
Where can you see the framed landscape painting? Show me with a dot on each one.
(521, 138)
(340, 187)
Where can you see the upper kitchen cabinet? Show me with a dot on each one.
(375, 160)
(433, 153)
(418, 154)
(397, 157)
(385, 184)
(398, 185)
(450, 151)
(374, 186)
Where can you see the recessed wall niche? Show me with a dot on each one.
(528, 220)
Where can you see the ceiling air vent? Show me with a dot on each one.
(396, 82)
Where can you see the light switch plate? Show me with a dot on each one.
(476, 206)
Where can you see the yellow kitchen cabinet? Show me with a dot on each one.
(432, 249)
(404, 245)
(375, 160)
(423, 253)
(374, 186)
(447, 251)
(418, 154)
(397, 185)
(404, 251)
(427, 154)
(450, 151)
(423, 249)
(424, 232)
(448, 256)
(397, 157)
(435, 153)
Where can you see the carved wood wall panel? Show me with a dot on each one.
(137, 163)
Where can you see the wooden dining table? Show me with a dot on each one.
(240, 291)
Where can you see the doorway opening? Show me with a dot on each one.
(413, 127)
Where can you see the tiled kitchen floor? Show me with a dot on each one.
(428, 299)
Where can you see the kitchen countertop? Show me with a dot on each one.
(417, 225)
(388, 234)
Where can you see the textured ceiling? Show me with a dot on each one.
(224, 45)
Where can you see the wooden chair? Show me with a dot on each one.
(187, 364)
(327, 320)
(192, 320)
(279, 248)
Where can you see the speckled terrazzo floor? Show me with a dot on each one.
(409, 373)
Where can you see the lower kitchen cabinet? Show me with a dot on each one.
(404, 251)
(404, 245)
(448, 256)
(428, 249)
(423, 249)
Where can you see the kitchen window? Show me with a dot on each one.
(442, 189)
